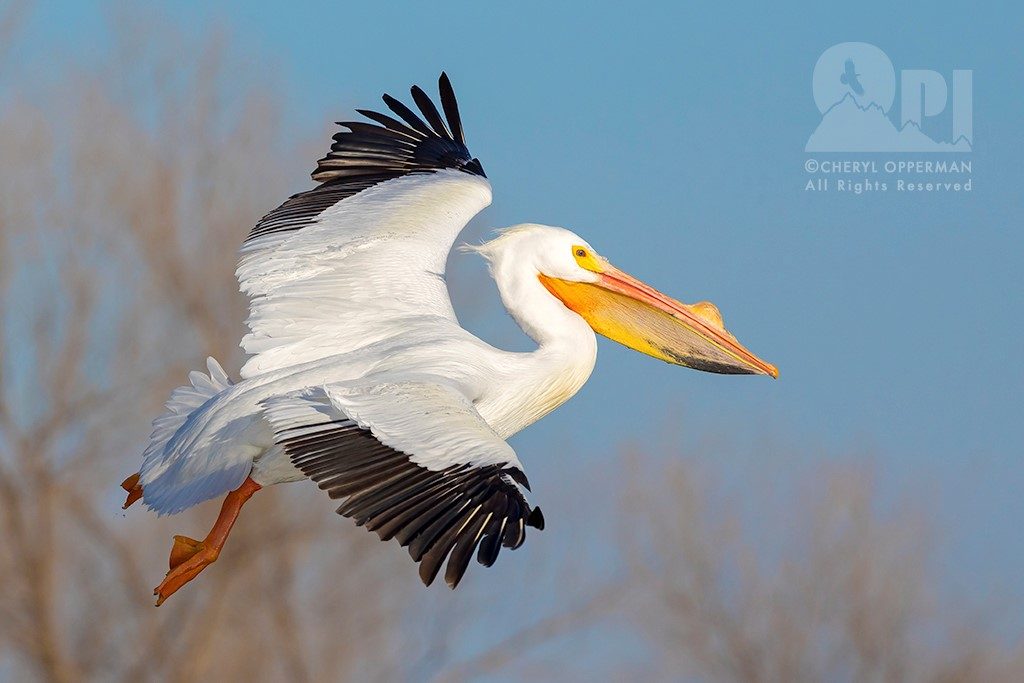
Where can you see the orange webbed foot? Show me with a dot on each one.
(188, 558)
(183, 549)
(134, 489)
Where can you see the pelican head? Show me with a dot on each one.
(617, 305)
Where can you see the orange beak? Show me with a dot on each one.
(626, 310)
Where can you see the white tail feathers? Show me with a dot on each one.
(183, 401)
(169, 482)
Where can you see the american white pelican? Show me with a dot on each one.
(360, 377)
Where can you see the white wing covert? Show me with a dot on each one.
(339, 266)
(413, 461)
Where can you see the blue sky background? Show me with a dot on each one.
(672, 138)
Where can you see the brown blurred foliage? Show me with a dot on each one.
(124, 193)
(122, 200)
(840, 591)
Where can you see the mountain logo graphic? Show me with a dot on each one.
(854, 87)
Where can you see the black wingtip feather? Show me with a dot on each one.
(451, 107)
(536, 519)
(406, 114)
(490, 546)
(391, 124)
(462, 553)
(430, 112)
(518, 476)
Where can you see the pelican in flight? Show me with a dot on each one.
(359, 376)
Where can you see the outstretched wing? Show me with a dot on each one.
(413, 461)
(343, 264)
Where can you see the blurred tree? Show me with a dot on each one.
(123, 197)
(848, 596)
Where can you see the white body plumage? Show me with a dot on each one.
(369, 312)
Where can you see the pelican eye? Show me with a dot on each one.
(586, 259)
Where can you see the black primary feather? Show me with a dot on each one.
(439, 515)
(367, 154)
(451, 108)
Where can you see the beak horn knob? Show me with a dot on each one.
(709, 313)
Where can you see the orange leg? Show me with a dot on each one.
(189, 557)
(134, 489)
